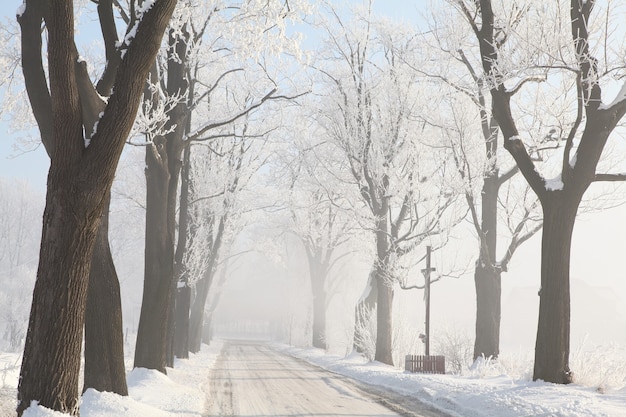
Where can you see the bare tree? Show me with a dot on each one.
(369, 107)
(487, 175)
(195, 74)
(509, 60)
(104, 365)
(84, 156)
(323, 228)
(216, 213)
(322, 241)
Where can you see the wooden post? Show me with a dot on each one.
(426, 273)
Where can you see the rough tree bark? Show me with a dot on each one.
(553, 333)
(79, 179)
(104, 336)
(150, 349)
(104, 357)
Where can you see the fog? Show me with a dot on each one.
(259, 287)
(264, 296)
(261, 290)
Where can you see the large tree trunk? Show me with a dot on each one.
(151, 347)
(197, 313)
(80, 177)
(52, 350)
(104, 335)
(384, 304)
(156, 326)
(177, 84)
(183, 306)
(384, 325)
(577, 173)
(488, 301)
(170, 330)
(174, 151)
(487, 276)
(553, 332)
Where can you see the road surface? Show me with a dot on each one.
(252, 380)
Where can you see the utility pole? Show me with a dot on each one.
(427, 282)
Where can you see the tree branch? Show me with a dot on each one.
(516, 242)
(610, 177)
(230, 119)
(109, 35)
(501, 106)
(507, 175)
(34, 74)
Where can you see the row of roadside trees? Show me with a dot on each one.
(400, 138)
(407, 123)
(185, 89)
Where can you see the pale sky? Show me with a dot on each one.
(33, 166)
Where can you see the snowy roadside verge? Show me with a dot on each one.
(499, 396)
(180, 393)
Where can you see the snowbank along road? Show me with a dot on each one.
(252, 380)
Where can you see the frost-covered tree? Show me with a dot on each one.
(218, 205)
(212, 46)
(84, 148)
(322, 229)
(319, 216)
(369, 104)
(559, 43)
(104, 366)
(503, 210)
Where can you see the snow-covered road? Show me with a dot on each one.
(250, 379)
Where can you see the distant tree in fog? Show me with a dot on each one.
(219, 208)
(318, 216)
(369, 100)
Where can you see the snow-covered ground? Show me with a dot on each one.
(480, 393)
(151, 394)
